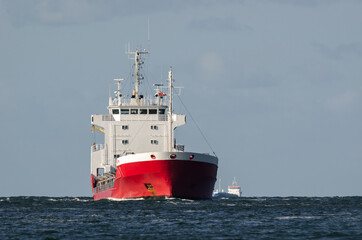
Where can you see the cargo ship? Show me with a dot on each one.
(233, 191)
(138, 156)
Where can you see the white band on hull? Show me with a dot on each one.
(149, 156)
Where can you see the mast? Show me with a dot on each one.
(170, 140)
(137, 75)
(137, 79)
(234, 184)
(118, 92)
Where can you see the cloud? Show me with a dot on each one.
(212, 65)
(64, 12)
(214, 69)
(340, 51)
(258, 79)
(50, 12)
(306, 3)
(218, 24)
(342, 102)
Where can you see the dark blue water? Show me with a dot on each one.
(234, 218)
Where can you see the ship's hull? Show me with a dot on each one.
(225, 194)
(187, 175)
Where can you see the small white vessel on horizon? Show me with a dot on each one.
(233, 191)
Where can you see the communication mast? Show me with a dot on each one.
(137, 75)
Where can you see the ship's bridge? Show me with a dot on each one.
(138, 109)
(120, 113)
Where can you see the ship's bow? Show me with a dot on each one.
(181, 174)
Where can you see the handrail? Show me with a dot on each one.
(96, 147)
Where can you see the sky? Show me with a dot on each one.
(275, 86)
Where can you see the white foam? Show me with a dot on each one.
(297, 217)
(124, 199)
(187, 200)
(80, 200)
(257, 199)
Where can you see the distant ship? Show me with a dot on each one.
(139, 157)
(233, 191)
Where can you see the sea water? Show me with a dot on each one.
(220, 218)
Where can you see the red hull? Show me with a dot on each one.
(170, 178)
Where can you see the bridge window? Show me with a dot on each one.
(134, 111)
(154, 127)
(161, 111)
(124, 142)
(154, 142)
(143, 111)
(153, 111)
(100, 171)
(115, 111)
(124, 111)
(125, 127)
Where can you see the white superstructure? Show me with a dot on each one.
(234, 189)
(135, 125)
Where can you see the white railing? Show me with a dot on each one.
(162, 117)
(146, 101)
(107, 117)
(97, 147)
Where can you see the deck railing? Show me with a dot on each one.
(107, 117)
(104, 185)
(96, 147)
